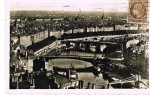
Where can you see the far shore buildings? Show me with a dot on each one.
(32, 31)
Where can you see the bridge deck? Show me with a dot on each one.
(69, 56)
(90, 41)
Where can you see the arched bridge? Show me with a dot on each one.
(93, 46)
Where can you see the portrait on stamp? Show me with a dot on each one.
(137, 11)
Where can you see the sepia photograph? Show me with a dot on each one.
(78, 44)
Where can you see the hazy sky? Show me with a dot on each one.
(69, 5)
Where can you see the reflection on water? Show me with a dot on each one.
(66, 63)
(90, 78)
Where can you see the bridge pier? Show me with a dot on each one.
(87, 47)
(67, 44)
(98, 48)
(77, 45)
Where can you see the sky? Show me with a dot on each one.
(68, 5)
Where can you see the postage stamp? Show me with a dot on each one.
(68, 46)
(138, 11)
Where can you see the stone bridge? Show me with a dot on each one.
(93, 46)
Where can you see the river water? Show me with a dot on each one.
(66, 63)
(87, 77)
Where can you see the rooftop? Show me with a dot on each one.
(37, 46)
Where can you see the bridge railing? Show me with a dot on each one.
(70, 56)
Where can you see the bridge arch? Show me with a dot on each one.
(92, 47)
(132, 42)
